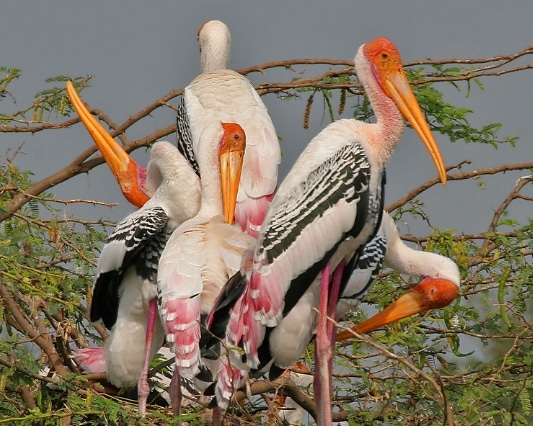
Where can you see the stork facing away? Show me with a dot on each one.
(124, 291)
(326, 209)
(221, 94)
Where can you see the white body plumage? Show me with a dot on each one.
(220, 94)
(127, 267)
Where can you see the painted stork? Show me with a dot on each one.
(326, 209)
(205, 251)
(439, 287)
(124, 292)
(220, 94)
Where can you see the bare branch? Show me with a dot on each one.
(457, 176)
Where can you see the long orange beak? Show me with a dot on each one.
(129, 175)
(385, 56)
(431, 293)
(231, 156)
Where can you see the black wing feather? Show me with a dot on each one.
(184, 135)
(143, 236)
(343, 177)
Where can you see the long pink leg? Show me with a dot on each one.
(175, 392)
(217, 417)
(143, 390)
(324, 344)
(322, 383)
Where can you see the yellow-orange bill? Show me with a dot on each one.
(387, 63)
(231, 157)
(126, 171)
(431, 293)
(404, 98)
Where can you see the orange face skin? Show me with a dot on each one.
(386, 65)
(431, 293)
(129, 175)
(384, 56)
(231, 156)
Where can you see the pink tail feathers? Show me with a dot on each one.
(187, 350)
(229, 380)
(182, 325)
(91, 360)
(243, 330)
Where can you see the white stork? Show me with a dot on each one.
(326, 209)
(124, 292)
(205, 251)
(220, 94)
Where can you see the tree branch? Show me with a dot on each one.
(455, 177)
(43, 340)
(386, 353)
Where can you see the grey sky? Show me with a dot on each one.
(140, 50)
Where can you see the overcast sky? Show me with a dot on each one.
(140, 50)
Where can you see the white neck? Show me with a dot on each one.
(418, 263)
(215, 45)
(206, 153)
(177, 185)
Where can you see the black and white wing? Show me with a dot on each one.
(365, 271)
(184, 136)
(136, 242)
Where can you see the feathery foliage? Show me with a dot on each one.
(469, 363)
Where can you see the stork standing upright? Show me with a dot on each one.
(438, 289)
(326, 209)
(124, 292)
(220, 94)
(205, 251)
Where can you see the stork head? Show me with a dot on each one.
(130, 176)
(386, 66)
(231, 155)
(431, 293)
(214, 39)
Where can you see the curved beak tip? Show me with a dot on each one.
(431, 293)
(123, 167)
(399, 90)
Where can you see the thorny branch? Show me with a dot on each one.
(459, 176)
(41, 324)
(43, 340)
(82, 163)
(448, 420)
